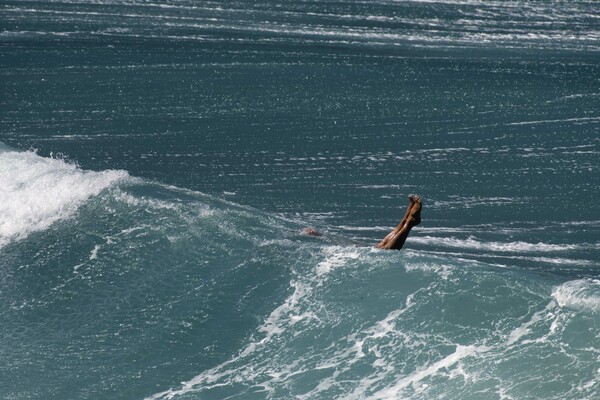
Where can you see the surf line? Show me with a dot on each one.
(396, 238)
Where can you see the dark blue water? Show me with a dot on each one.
(158, 162)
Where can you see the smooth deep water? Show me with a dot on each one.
(158, 162)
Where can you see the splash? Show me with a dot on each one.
(580, 294)
(36, 191)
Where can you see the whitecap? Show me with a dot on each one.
(37, 191)
(509, 247)
(580, 294)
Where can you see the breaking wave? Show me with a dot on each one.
(38, 191)
(580, 294)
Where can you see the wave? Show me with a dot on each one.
(580, 294)
(502, 247)
(38, 191)
(236, 302)
(312, 346)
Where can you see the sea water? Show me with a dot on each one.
(159, 161)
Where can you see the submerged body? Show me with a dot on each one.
(396, 238)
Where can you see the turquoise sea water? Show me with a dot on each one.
(159, 160)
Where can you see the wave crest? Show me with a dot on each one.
(37, 191)
(581, 294)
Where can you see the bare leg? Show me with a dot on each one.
(396, 238)
(413, 220)
(411, 203)
(389, 236)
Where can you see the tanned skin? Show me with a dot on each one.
(396, 238)
(311, 232)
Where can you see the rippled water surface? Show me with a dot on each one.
(159, 160)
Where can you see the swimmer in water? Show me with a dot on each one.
(396, 238)
(311, 232)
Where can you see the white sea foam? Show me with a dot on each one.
(291, 312)
(580, 294)
(94, 253)
(37, 191)
(442, 269)
(509, 247)
(336, 257)
(395, 391)
(363, 228)
(525, 329)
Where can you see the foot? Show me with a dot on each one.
(414, 217)
(411, 203)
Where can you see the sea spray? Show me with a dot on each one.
(37, 191)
